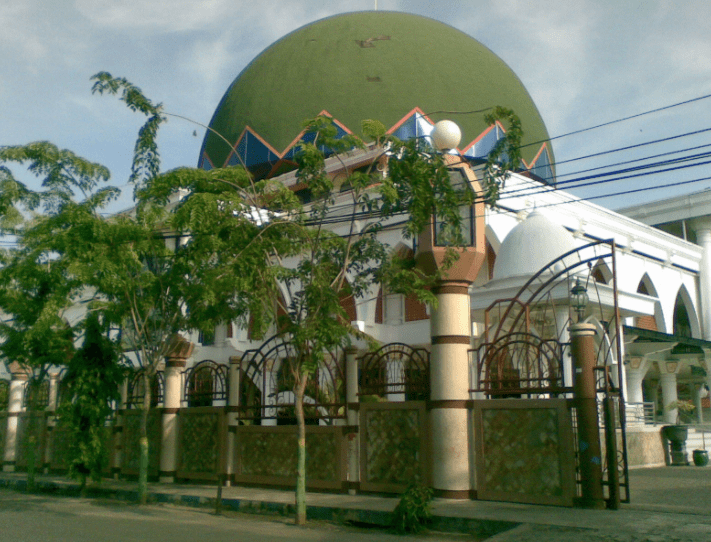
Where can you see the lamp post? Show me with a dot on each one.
(582, 347)
(579, 299)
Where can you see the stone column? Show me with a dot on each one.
(635, 371)
(353, 418)
(269, 392)
(18, 382)
(117, 455)
(669, 395)
(583, 352)
(52, 406)
(233, 403)
(176, 362)
(562, 322)
(449, 390)
(702, 226)
(696, 398)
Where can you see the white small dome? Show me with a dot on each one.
(531, 245)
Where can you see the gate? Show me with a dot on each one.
(527, 449)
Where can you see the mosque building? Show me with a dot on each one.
(456, 394)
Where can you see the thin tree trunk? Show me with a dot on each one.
(143, 442)
(31, 454)
(300, 388)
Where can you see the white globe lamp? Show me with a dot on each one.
(446, 135)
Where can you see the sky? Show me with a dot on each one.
(584, 62)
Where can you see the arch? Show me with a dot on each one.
(520, 363)
(134, 397)
(685, 319)
(205, 383)
(4, 394)
(396, 368)
(601, 272)
(268, 373)
(36, 394)
(653, 322)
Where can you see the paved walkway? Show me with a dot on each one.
(668, 504)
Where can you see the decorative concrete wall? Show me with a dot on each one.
(267, 455)
(394, 449)
(131, 434)
(201, 437)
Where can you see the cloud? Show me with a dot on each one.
(157, 15)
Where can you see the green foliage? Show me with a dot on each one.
(91, 385)
(506, 155)
(412, 513)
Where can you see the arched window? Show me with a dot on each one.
(36, 394)
(682, 322)
(136, 388)
(206, 382)
(4, 394)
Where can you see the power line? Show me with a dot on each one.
(685, 102)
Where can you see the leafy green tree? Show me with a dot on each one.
(37, 288)
(91, 386)
(204, 247)
(261, 233)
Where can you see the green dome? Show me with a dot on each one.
(366, 65)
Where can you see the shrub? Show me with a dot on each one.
(413, 511)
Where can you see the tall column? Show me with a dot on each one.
(635, 371)
(52, 407)
(117, 456)
(233, 403)
(669, 395)
(18, 382)
(583, 351)
(176, 362)
(696, 397)
(562, 322)
(703, 238)
(269, 393)
(449, 390)
(353, 418)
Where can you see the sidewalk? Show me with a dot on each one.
(668, 504)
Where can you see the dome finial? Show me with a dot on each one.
(446, 135)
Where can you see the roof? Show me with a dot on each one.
(369, 65)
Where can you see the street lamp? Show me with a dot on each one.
(579, 298)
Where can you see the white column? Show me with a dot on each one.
(233, 403)
(449, 390)
(16, 392)
(668, 395)
(635, 370)
(169, 420)
(703, 238)
(562, 323)
(269, 393)
(353, 419)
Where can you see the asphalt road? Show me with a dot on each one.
(41, 518)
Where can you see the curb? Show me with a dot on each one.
(483, 528)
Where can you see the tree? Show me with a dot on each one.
(262, 233)
(204, 247)
(91, 386)
(36, 286)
